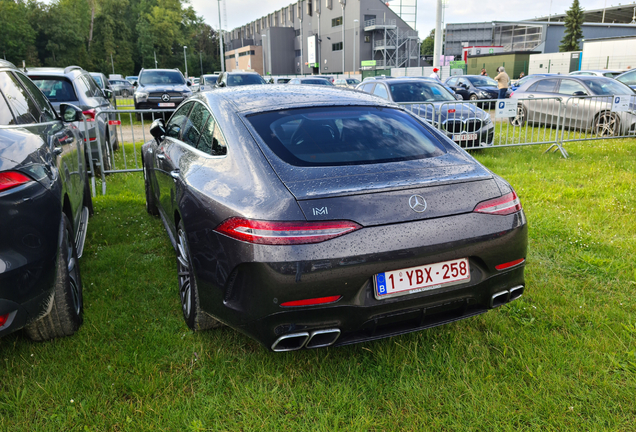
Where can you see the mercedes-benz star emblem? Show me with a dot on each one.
(417, 203)
(165, 97)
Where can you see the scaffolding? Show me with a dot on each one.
(392, 48)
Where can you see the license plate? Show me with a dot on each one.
(422, 278)
(465, 137)
(166, 104)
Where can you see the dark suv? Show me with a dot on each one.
(44, 207)
(74, 85)
(160, 89)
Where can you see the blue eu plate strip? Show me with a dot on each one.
(380, 281)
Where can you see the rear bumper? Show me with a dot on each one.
(244, 289)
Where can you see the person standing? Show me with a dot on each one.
(503, 81)
(434, 75)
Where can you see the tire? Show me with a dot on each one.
(88, 198)
(151, 206)
(106, 156)
(65, 315)
(473, 97)
(194, 317)
(125, 93)
(606, 124)
(520, 119)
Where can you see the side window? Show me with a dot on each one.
(464, 82)
(368, 87)
(6, 118)
(173, 128)
(93, 88)
(194, 124)
(545, 86)
(380, 91)
(629, 78)
(23, 107)
(82, 87)
(47, 110)
(452, 81)
(569, 87)
(212, 140)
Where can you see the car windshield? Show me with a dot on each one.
(161, 77)
(317, 81)
(481, 81)
(328, 136)
(420, 92)
(606, 86)
(56, 89)
(244, 79)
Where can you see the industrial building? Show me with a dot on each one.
(326, 36)
(542, 34)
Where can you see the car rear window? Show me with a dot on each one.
(55, 89)
(246, 79)
(602, 86)
(328, 136)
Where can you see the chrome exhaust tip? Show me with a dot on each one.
(516, 292)
(499, 298)
(290, 342)
(323, 338)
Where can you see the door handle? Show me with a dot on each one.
(530, 96)
(175, 174)
(161, 156)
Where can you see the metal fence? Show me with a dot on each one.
(531, 121)
(128, 127)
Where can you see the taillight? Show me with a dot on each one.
(11, 179)
(284, 233)
(505, 205)
(510, 264)
(3, 319)
(312, 302)
(89, 114)
(511, 93)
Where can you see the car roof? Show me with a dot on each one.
(597, 70)
(7, 64)
(56, 71)
(258, 98)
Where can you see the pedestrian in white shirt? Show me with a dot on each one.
(434, 75)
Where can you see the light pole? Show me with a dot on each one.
(185, 60)
(342, 2)
(354, 45)
(221, 40)
(263, 51)
(201, 62)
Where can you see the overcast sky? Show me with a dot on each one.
(240, 12)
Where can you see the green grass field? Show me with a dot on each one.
(563, 357)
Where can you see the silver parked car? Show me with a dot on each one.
(587, 104)
(347, 82)
(603, 73)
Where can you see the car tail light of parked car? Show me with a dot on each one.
(11, 179)
(284, 233)
(505, 205)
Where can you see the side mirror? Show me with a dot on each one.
(459, 97)
(158, 130)
(188, 83)
(135, 84)
(108, 94)
(70, 113)
(220, 84)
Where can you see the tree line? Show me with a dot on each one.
(88, 33)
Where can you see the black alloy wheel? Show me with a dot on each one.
(64, 315)
(194, 317)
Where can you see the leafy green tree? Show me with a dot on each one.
(17, 42)
(573, 33)
(427, 47)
